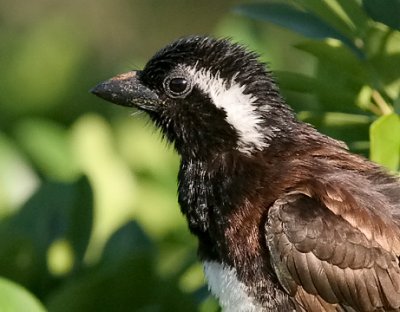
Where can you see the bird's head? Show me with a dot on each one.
(208, 96)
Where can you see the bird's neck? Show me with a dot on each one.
(231, 188)
(210, 190)
(225, 202)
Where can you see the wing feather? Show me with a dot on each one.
(319, 277)
(328, 264)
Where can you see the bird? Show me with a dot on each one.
(286, 218)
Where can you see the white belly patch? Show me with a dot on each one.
(232, 294)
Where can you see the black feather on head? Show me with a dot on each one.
(196, 120)
(212, 97)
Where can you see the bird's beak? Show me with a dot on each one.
(127, 90)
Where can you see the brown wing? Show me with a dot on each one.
(325, 262)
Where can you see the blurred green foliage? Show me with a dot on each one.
(89, 219)
(15, 298)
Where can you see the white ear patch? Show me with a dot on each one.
(239, 107)
(232, 293)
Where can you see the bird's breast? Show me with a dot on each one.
(233, 295)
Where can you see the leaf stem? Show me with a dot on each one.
(384, 107)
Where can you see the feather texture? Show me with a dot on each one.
(286, 217)
(359, 272)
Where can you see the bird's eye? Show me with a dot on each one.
(177, 86)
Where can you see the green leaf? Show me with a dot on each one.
(333, 52)
(387, 69)
(56, 211)
(295, 81)
(44, 217)
(364, 97)
(331, 13)
(14, 298)
(384, 11)
(305, 84)
(385, 141)
(19, 259)
(289, 17)
(339, 76)
(94, 147)
(355, 13)
(17, 179)
(80, 219)
(39, 65)
(396, 105)
(132, 285)
(47, 143)
(350, 128)
(128, 240)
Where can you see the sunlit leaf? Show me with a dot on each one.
(193, 278)
(210, 304)
(60, 257)
(385, 141)
(364, 97)
(17, 179)
(113, 183)
(47, 144)
(142, 146)
(14, 298)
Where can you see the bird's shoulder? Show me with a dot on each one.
(334, 241)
